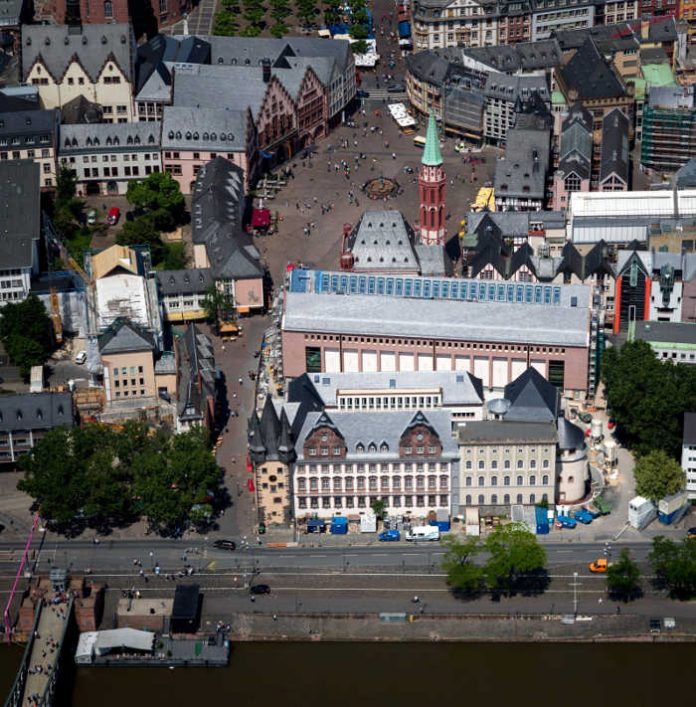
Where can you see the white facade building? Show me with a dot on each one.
(105, 157)
(689, 453)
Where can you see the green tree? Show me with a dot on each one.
(358, 32)
(66, 186)
(378, 507)
(158, 193)
(54, 477)
(359, 47)
(463, 574)
(623, 578)
(142, 231)
(175, 257)
(658, 475)
(674, 565)
(647, 397)
(216, 305)
(279, 29)
(26, 332)
(516, 561)
(226, 24)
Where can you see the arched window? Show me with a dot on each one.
(108, 9)
(544, 480)
(494, 499)
(468, 500)
(301, 484)
(468, 481)
(532, 480)
(532, 498)
(359, 448)
(520, 481)
(480, 481)
(506, 480)
(506, 499)
(384, 447)
(481, 499)
(519, 498)
(532, 464)
(372, 447)
(494, 480)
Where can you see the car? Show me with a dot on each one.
(691, 533)
(81, 357)
(91, 217)
(389, 536)
(360, 93)
(396, 88)
(585, 417)
(583, 516)
(225, 545)
(599, 566)
(565, 522)
(259, 589)
(113, 216)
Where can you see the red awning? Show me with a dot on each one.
(260, 218)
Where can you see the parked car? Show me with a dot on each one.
(396, 88)
(691, 533)
(225, 545)
(91, 217)
(390, 535)
(565, 522)
(360, 93)
(113, 216)
(583, 516)
(81, 357)
(585, 417)
(259, 589)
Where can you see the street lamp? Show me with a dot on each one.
(575, 593)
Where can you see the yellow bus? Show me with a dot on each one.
(419, 141)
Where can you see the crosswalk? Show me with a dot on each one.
(378, 94)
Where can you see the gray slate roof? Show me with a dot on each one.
(495, 431)
(591, 75)
(111, 137)
(35, 411)
(205, 129)
(217, 207)
(185, 282)
(10, 12)
(20, 212)
(196, 368)
(532, 398)
(93, 45)
(458, 387)
(666, 332)
(366, 427)
(522, 172)
(29, 122)
(383, 240)
(444, 319)
(570, 436)
(689, 428)
(125, 336)
(615, 159)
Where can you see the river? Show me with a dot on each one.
(381, 674)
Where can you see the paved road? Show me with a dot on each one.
(200, 20)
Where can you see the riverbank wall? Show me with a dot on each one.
(474, 628)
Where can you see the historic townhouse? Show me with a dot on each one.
(104, 157)
(451, 23)
(96, 62)
(29, 134)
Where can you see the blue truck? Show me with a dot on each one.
(389, 536)
(583, 516)
(565, 522)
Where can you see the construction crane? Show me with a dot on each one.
(55, 317)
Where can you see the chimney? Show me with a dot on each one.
(266, 68)
(644, 28)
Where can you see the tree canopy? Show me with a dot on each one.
(658, 475)
(26, 332)
(623, 578)
(516, 563)
(99, 476)
(648, 397)
(160, 195)
(674, 565)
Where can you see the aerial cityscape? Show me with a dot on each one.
(362, 323)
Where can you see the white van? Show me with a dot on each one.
(423, 532)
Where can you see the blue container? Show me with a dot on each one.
(542, 521)
(404, 30)
(339, 526)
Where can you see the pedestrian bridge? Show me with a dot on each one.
(37, 676)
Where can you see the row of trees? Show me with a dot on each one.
(160, 206)
(253, 12)
(516, 564)
(26, 332)
(103, 477)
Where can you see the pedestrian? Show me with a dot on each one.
(241, 381)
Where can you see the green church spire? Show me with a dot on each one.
(432, 157)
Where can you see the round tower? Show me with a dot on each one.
(432, 183)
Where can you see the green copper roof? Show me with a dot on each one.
(658, 75)
(432, 157)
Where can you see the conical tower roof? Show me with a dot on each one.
(432, 157)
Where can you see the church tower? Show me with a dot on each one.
(432, 182)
